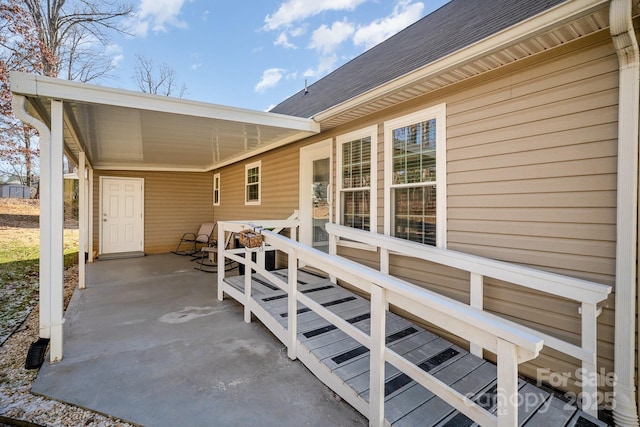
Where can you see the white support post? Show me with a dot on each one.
(384, 260)
(507, 394)
(377, 360)
(590, 370)
(476, 300)
(221, 261)
(90, 215)
(292, 303)
(247, 286)
(52, 226)
(82, 219)
(333, 250)
(260, 257)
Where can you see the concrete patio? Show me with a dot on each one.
(148, 342)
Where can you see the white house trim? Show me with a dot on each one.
(371, 132)
(439, 113)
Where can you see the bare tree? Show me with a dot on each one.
(81, 61)
(66, 27)
(158, 80)
(55, 38)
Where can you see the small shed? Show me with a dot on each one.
(16, 191)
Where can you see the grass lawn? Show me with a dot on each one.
(19, 259)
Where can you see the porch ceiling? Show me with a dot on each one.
(125, 130)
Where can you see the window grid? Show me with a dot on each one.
(413, 182)
(356, 182)
(252, 183)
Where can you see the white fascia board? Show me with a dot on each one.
(42, 86)
(534, 25)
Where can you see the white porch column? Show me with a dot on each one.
(82, 219)
(90, 215)
(52, 226)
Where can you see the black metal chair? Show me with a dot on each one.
(190, 243)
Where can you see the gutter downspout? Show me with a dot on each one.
(19, 108)
(624, 40)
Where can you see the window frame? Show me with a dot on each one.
(247, 168)
(368, 132)
(216, 189)
(437, 112)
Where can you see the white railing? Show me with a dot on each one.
(587, 294)
(512, 343)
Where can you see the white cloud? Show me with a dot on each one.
(196, 62)
(115, 52)
(326, 64)
(157, 15)
(326, 39)
(296, 10)
(283, 40)
(270, 78)
(404, 14)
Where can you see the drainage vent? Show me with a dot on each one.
(35, 355)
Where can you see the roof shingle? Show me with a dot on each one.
(456, 25)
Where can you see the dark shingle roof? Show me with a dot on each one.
(454, 26)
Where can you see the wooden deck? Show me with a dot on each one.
(343, 364)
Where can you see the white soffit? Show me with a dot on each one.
(129, 130)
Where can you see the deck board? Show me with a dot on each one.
(407, 403)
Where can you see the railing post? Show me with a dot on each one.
(384, 260)
(260, 257)
(333, 250)
(589, 368)
(292, 319)
(377, 360)
(507, 394)
(247, 286)
(221, 261)
(476, 300)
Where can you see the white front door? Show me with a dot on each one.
(121, 215)
(315, 194)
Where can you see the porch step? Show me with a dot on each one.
(343, 364)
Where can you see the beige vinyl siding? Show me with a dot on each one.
(532, 165)
(279, 187)
(174, 203)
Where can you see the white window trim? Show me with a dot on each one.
(371, 132)
(216, 178)
(248, 166)
(438, 112)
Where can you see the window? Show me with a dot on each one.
(216, 189)
(356, 153)
(252, 183)
(415, 161)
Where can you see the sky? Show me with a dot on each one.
(255, 53)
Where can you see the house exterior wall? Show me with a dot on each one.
(174, 203)
(531, 179)
(278, 184)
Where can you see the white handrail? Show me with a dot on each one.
(512, 343)
(587, 293)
